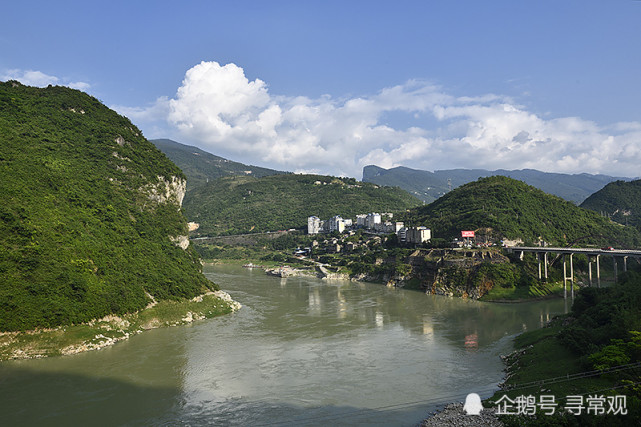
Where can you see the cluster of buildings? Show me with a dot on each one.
(372, 222)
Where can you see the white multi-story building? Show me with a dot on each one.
(361, 220)
(418, 234)
(402, 234)
(415, 235)
(384, 227)
(313, 225)
(336, 223)
(372, 219)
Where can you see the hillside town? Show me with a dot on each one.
(372, 222)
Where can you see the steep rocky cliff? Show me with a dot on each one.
(465, 274)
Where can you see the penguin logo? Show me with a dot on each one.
(473, 405)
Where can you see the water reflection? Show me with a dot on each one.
(343, 305)
(472, 341)
(301, 351)
(428, 328)
(314, 302)
(379, 319)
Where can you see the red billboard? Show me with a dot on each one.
(467, 234)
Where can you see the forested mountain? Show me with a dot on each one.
(90, 217)
(200, 166)
(429, 186)
(620, 201)
(245, 204)
(504, 207)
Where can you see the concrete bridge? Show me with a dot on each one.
(593, 255)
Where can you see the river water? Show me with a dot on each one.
(301, 351)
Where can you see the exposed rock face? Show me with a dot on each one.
(167, 191)
(180, 241)
(446, 284)
(172, 191)
(449, 273)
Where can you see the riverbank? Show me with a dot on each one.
(486, 275)
(453, 415)
(107, 331)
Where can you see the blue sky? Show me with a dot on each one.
(329, 86)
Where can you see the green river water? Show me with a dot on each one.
(301, 351)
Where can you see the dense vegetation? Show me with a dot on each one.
(595, 350)
(620, 201)
(81, 236)
(200, 166)
(607, 324)
(238, 205)
(503, 207)
(429, 186)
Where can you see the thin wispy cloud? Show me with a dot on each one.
(40, 79)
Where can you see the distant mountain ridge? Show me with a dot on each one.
(200, 166)
(429, 186)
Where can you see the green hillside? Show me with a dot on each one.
(89, 215)
(620, 200)
(515, 210)
(429, 186)
(595, 349)
(200, 166)
(245, 204)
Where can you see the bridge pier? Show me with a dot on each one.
(545, 264)
(594, 255)
(598, 272)
(572, 276)
(566, 277)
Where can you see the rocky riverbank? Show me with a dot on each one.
(453, 415)
(109, 330)
(286, 271)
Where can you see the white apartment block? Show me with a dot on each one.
(313, 225)
(415, 235)
(372, 219)
(388, 227)
(402, 235)
(336, 223)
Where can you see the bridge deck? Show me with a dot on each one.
(588, 251)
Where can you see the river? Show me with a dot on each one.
(301, 351)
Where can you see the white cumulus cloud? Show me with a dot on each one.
(415, 124)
